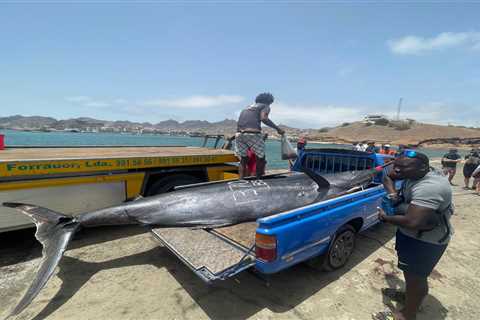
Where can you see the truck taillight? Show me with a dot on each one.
(265, 247)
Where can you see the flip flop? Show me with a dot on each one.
(394, 294)
(383, 315)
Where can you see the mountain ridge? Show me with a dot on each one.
(395, 132)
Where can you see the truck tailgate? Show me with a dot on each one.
(210, 256)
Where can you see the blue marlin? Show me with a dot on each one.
(206, 205)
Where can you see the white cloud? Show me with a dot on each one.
(196, 101)
(445, 40)
(92, 103)
(96, 104)
(443, 113)
(78, 99)
(314, 116)
(318, 116)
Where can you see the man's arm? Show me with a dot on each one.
(389, 185)
(451, 160)
(416, 218)
(268, 122)
(476, 171)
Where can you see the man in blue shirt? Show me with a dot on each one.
(371, 147)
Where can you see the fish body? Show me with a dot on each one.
(212, 205)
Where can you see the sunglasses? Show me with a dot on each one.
(410, 153)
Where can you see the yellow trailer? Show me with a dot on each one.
(79, 179)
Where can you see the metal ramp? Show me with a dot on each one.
(209, 256)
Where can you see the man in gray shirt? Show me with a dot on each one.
(424, 207)
(249, 133)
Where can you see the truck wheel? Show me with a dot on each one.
(341, 248)
(167, 184)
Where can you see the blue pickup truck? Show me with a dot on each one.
(327, 228)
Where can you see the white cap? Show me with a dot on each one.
(387, 145)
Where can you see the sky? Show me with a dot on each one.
(325, 62)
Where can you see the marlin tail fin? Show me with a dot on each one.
(54, 231)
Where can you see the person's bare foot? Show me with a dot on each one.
(388, 315)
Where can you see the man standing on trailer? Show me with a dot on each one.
(249, 133)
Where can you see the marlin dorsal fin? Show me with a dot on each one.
(321, 181)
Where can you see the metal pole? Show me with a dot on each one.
(398, 108)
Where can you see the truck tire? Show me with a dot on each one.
(167, 184)
(340, 249)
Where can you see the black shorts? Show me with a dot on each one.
(468, 170)
(416, 256)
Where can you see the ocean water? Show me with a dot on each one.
(23, 138)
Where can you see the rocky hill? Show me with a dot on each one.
(413, 133)
(227, 126)
(18, 121)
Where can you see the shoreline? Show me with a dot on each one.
(292, 138)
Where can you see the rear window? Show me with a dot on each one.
(332, 163)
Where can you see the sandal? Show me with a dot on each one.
(394, 294)
(383, 315)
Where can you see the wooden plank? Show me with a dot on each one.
(200, 249)
(243, 233)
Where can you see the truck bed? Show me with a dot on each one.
(45, 153)
(34, 161)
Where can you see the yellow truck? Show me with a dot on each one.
(79, 179)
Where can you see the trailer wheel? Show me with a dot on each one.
(341, 248)
(168, 183)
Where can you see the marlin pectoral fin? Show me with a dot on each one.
(54, 231)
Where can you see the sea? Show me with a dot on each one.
(31, 138)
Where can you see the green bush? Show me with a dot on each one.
(400, 125)
(323, 130)
(382, 122)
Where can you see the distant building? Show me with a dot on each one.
(373, 118)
